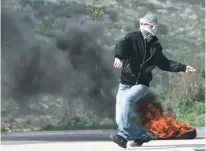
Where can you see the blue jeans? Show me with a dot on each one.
(126, 97)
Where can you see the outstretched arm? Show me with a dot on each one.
(166, 64)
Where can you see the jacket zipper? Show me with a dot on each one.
(143, 62)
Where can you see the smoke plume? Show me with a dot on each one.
(72, 65)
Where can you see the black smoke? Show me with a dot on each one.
(71, 65)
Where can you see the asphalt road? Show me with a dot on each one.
(78, 135)
(93, 137)
(175, 145)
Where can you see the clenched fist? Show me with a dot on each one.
(117, 63)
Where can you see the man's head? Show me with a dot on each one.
(148, 24)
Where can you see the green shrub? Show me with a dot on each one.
(190, 112)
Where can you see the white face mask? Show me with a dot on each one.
(147, 31)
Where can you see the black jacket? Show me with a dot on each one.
(140, 57)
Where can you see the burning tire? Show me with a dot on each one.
(160, 125)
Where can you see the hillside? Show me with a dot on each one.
(57, 57)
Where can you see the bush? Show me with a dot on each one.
(81, 122)
(190, 112)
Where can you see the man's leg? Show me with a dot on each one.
(126, 97)
(141, 135)
(120, 97)
(120, 109)
(132, 95)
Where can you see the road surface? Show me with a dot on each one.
(91, 140)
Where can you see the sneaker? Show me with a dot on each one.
(122, 142)
(138, 142)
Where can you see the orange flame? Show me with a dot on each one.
(164, 126)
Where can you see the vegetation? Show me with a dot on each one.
(61, 75)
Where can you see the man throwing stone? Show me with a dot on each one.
(138, 53)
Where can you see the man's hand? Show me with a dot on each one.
(189, 69)
(117, 63)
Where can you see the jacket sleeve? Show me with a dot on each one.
(122, 47)
(166, 64)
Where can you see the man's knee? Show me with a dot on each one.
(139, 87)
(137, 92)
